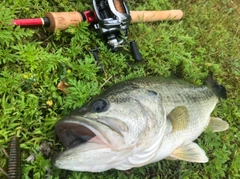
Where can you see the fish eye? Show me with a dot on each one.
(100, 105)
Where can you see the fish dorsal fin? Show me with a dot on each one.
(190, 152)
(179, 118)
(217, 124)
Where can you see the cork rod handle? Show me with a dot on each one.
(62, 20)
(153, 16)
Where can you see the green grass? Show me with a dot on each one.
(33, 61)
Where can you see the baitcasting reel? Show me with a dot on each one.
(112, 24)
(113, 21)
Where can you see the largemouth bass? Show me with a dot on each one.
(138, 122)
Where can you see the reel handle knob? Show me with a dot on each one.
(135, 51)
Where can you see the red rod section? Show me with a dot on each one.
(34, 22)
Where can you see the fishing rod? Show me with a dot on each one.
(111, 19)
(54, 21)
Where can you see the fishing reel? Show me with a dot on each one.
(113, 21)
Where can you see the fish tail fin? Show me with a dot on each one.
(218, 89)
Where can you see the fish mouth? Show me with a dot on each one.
(72, 133)
(92, 144)
(77, 130)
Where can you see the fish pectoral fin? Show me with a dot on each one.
(179, 118)
(190, 152)
(217, 124)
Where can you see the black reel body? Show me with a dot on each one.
(113, 22)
